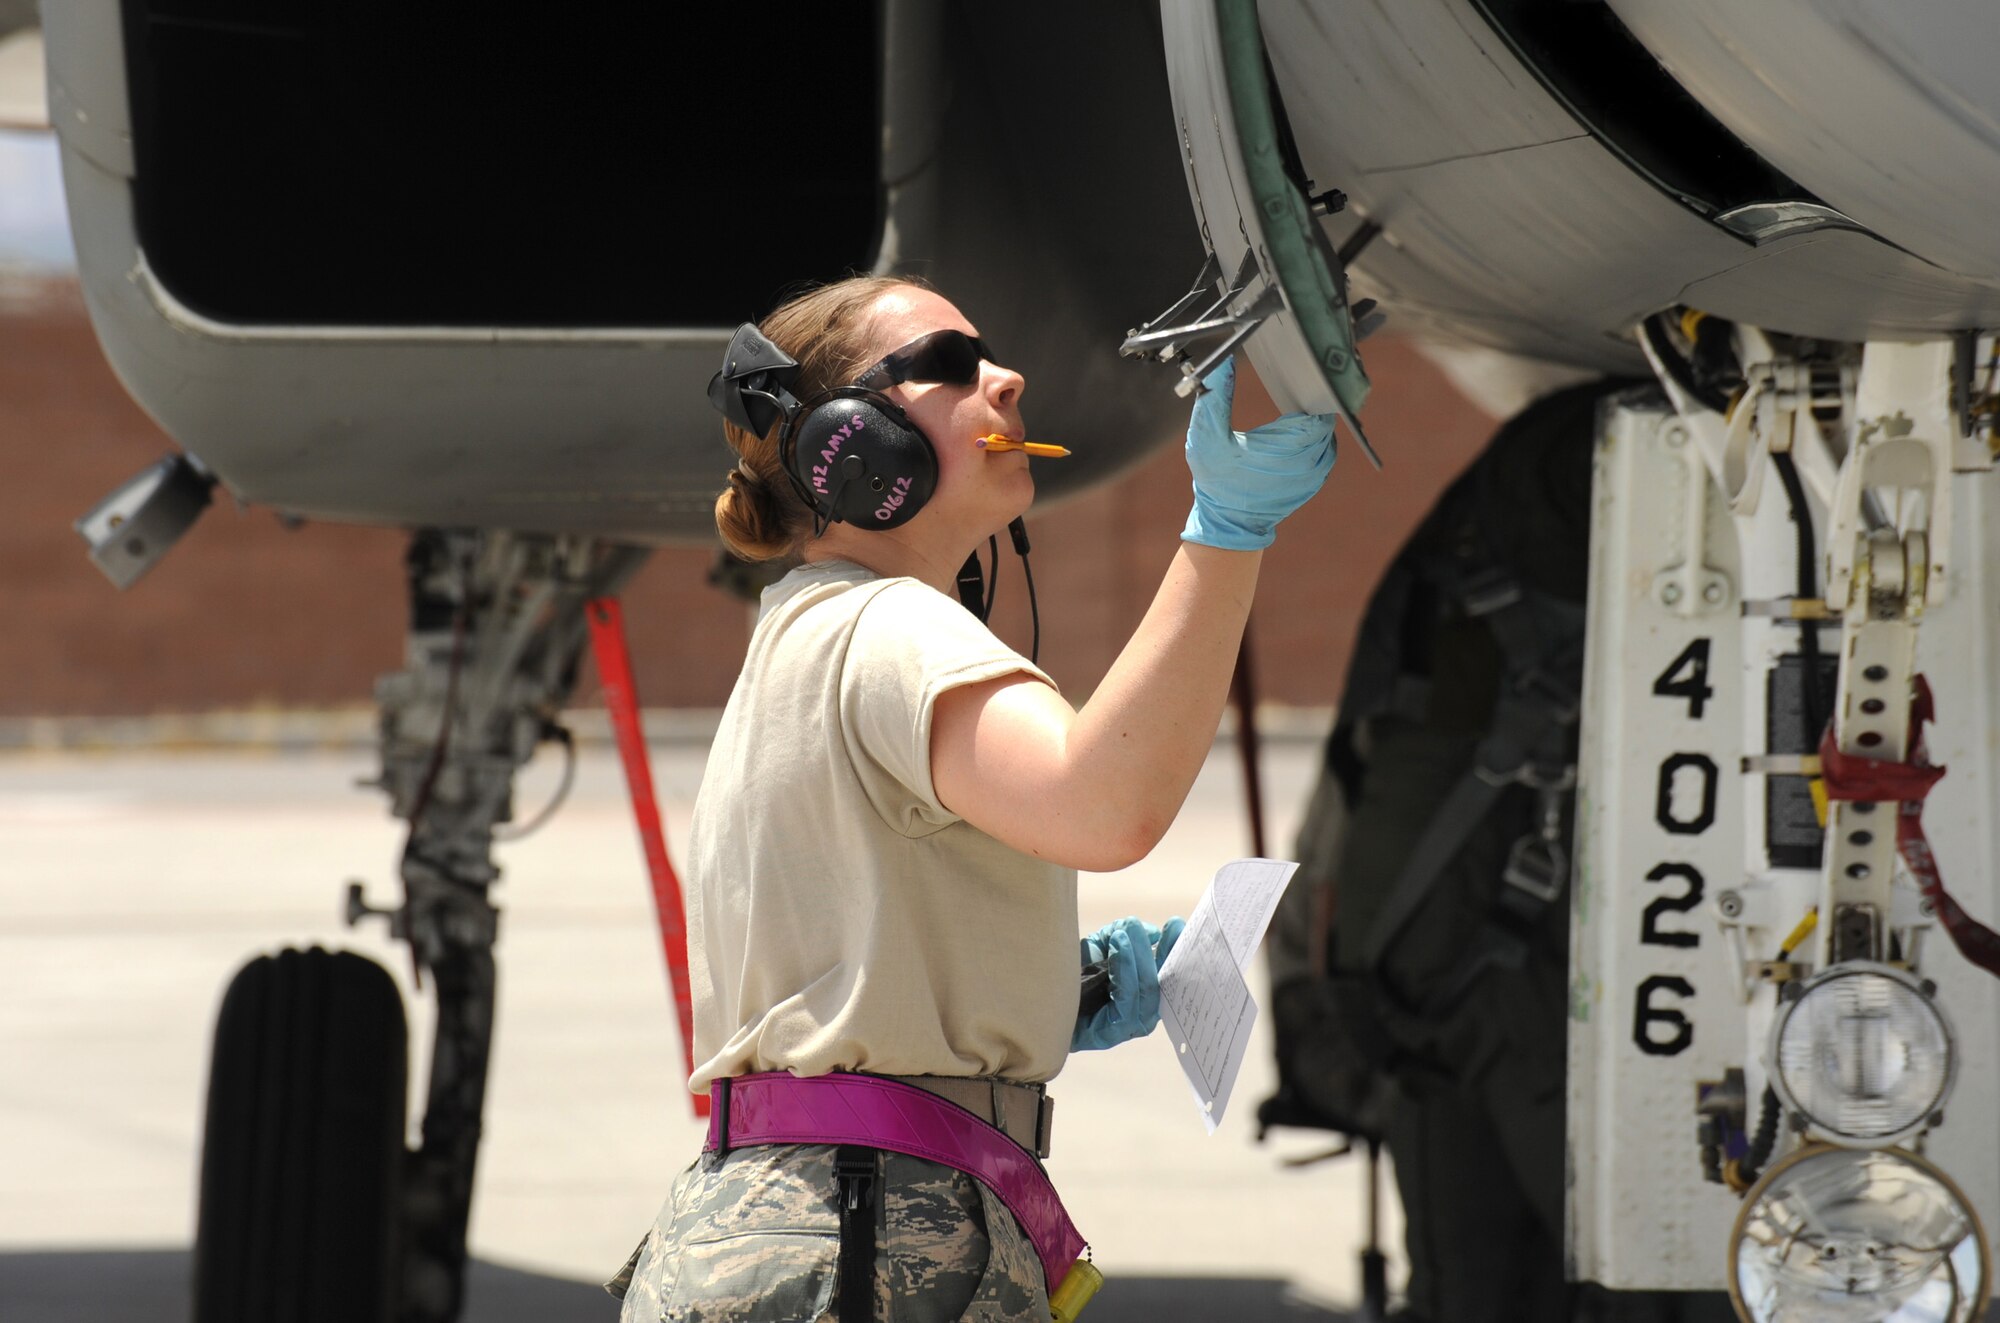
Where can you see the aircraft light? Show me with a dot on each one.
(1864, 1054)
(1838, 1235)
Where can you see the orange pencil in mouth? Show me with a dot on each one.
(996, 442)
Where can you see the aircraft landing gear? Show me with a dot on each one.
(306, 1178)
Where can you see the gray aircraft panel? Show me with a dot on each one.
(1401, 84)
(1504, 222)
(1567, 237)
(1846, 286)
(1508, 224)
(1888, 110)
(88, 105)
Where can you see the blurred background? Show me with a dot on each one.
(237, 621)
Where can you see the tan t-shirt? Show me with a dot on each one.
(839, 917)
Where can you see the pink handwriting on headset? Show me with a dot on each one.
(849, 428)
(897, 496)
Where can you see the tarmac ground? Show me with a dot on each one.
(133, 884)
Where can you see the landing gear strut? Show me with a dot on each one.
(497, 631)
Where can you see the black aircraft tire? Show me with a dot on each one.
(304, 1144)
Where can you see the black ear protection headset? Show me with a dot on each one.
(850, 453)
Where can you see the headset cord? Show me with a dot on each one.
(824, 517)
(975, 586)
(1017, 530)
(992, 578)
(971, 585)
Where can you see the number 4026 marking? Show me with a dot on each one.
(1646, 1016)
(1665, 1031)
(1686, 677)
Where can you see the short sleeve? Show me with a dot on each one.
(910, 644)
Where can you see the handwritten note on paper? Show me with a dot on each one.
(1205, 1002)
(1245, 895)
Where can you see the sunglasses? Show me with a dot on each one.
(949, 358)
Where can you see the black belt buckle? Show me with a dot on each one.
(854, 1175)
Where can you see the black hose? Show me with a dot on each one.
(1813, 709)
(1765, 1139)
(1655, 331)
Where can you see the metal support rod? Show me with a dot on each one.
(1190, 331)
(1204, 285)
(1166, 331)
(1357, 241)
(1252, 318)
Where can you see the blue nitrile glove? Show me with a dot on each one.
(1134, 951)
(1245, 482)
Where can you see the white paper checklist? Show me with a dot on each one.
(1205, 1001)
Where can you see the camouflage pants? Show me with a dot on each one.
(756, 1237)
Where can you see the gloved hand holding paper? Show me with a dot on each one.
(1205, 1003)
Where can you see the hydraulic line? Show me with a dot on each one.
(1764, 1140)
(562, 736)
(1813, 709)
(459, 621)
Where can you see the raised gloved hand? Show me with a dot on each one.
(1134, 950)
(1245, 482)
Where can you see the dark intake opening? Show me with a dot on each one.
(363, 162)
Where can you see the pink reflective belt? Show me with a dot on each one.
(781, 1108)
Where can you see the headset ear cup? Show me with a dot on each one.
(861, 461)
